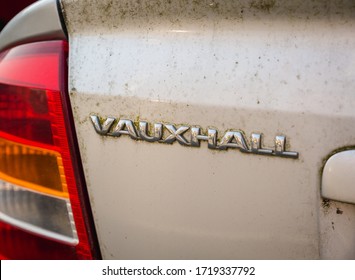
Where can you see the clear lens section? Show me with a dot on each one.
(45, 215)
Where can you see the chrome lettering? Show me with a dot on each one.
(104, 127)
(211, 137)
(256, 145)
(143, 132)
(231, 139)
(124, 127)
(280, 148)
(176, 134)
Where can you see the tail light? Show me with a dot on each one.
(42, 211)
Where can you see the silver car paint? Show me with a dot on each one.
(38, 22)
(277, 67)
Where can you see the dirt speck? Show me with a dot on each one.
(339, 211)
(266, 5)
(326, 204)
(213, 5)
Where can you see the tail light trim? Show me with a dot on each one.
(38, 22)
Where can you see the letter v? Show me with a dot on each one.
(104, 127)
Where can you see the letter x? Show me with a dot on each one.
(176, 134)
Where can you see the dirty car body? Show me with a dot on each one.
(204, 126)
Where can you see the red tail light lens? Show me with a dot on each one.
(41, 211)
